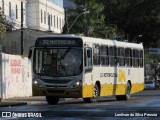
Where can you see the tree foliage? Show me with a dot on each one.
(123, 19)
(92, 24)
(135, 17)
(2, 27)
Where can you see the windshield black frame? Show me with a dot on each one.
(60, 61)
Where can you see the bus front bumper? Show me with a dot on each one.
(58, 92)
(78, 92)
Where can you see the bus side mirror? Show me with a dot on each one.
(88, 53)
(30, 54)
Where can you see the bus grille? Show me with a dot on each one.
(56, 91)
(56, 81)
(54, 86)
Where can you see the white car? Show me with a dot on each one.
(150, 84)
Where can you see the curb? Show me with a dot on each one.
(11, 104)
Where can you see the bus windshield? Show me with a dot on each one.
(58, 62)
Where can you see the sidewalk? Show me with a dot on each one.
(22, 101)
(27, 101)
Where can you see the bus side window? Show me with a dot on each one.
(113, 56)
(121, 55)
(96, 55)
(88, 58)
(128, 57)
(141, 58)
(104, 55)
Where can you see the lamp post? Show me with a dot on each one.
(85, 12)
(137, 37)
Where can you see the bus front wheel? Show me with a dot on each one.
(52, 100)
(95, 95)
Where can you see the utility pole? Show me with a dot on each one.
(65, 27)
(21, 28)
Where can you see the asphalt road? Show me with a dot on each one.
(144, 105)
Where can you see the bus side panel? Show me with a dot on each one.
(106, 90)
(137, 87)
(137, 79)
(120, 88)
(88, 86)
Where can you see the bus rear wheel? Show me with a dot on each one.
(52, 100)
(95, 96)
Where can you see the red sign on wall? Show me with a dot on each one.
(15, 66)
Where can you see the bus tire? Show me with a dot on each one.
(95, 97)
(127, 96)
(119, 97)
(52, 100)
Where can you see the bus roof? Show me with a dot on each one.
(100, 41)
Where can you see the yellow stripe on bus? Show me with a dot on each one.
(87, 91)
(109, 89)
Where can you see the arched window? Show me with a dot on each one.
(54, 21)
(57, 21)
(10, 9)
(60, 23)
(44, 17)
(51, 19)
(49, 22)
(41, 16)
(16, 12)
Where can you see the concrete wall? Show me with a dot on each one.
(16, 76)
(12, 42)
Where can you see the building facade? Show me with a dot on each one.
(40, 17)
(12, 10)
(44, 15)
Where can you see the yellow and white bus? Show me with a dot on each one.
(74, 66)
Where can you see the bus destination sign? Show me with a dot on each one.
(58, 43)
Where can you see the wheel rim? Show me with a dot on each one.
(95, 93)
(128, 91)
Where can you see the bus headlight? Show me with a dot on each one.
(77, 83)
(36, 83)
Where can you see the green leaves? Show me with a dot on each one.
(92, 24)
(2, 27)
(136, 17)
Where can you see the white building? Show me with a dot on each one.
(37, 14)
(44, 15)
(39, 17)
(12, 10)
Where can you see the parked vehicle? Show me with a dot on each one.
(150, 84)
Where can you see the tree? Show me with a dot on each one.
(135, 17)
(92, 24)
(2, 27)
